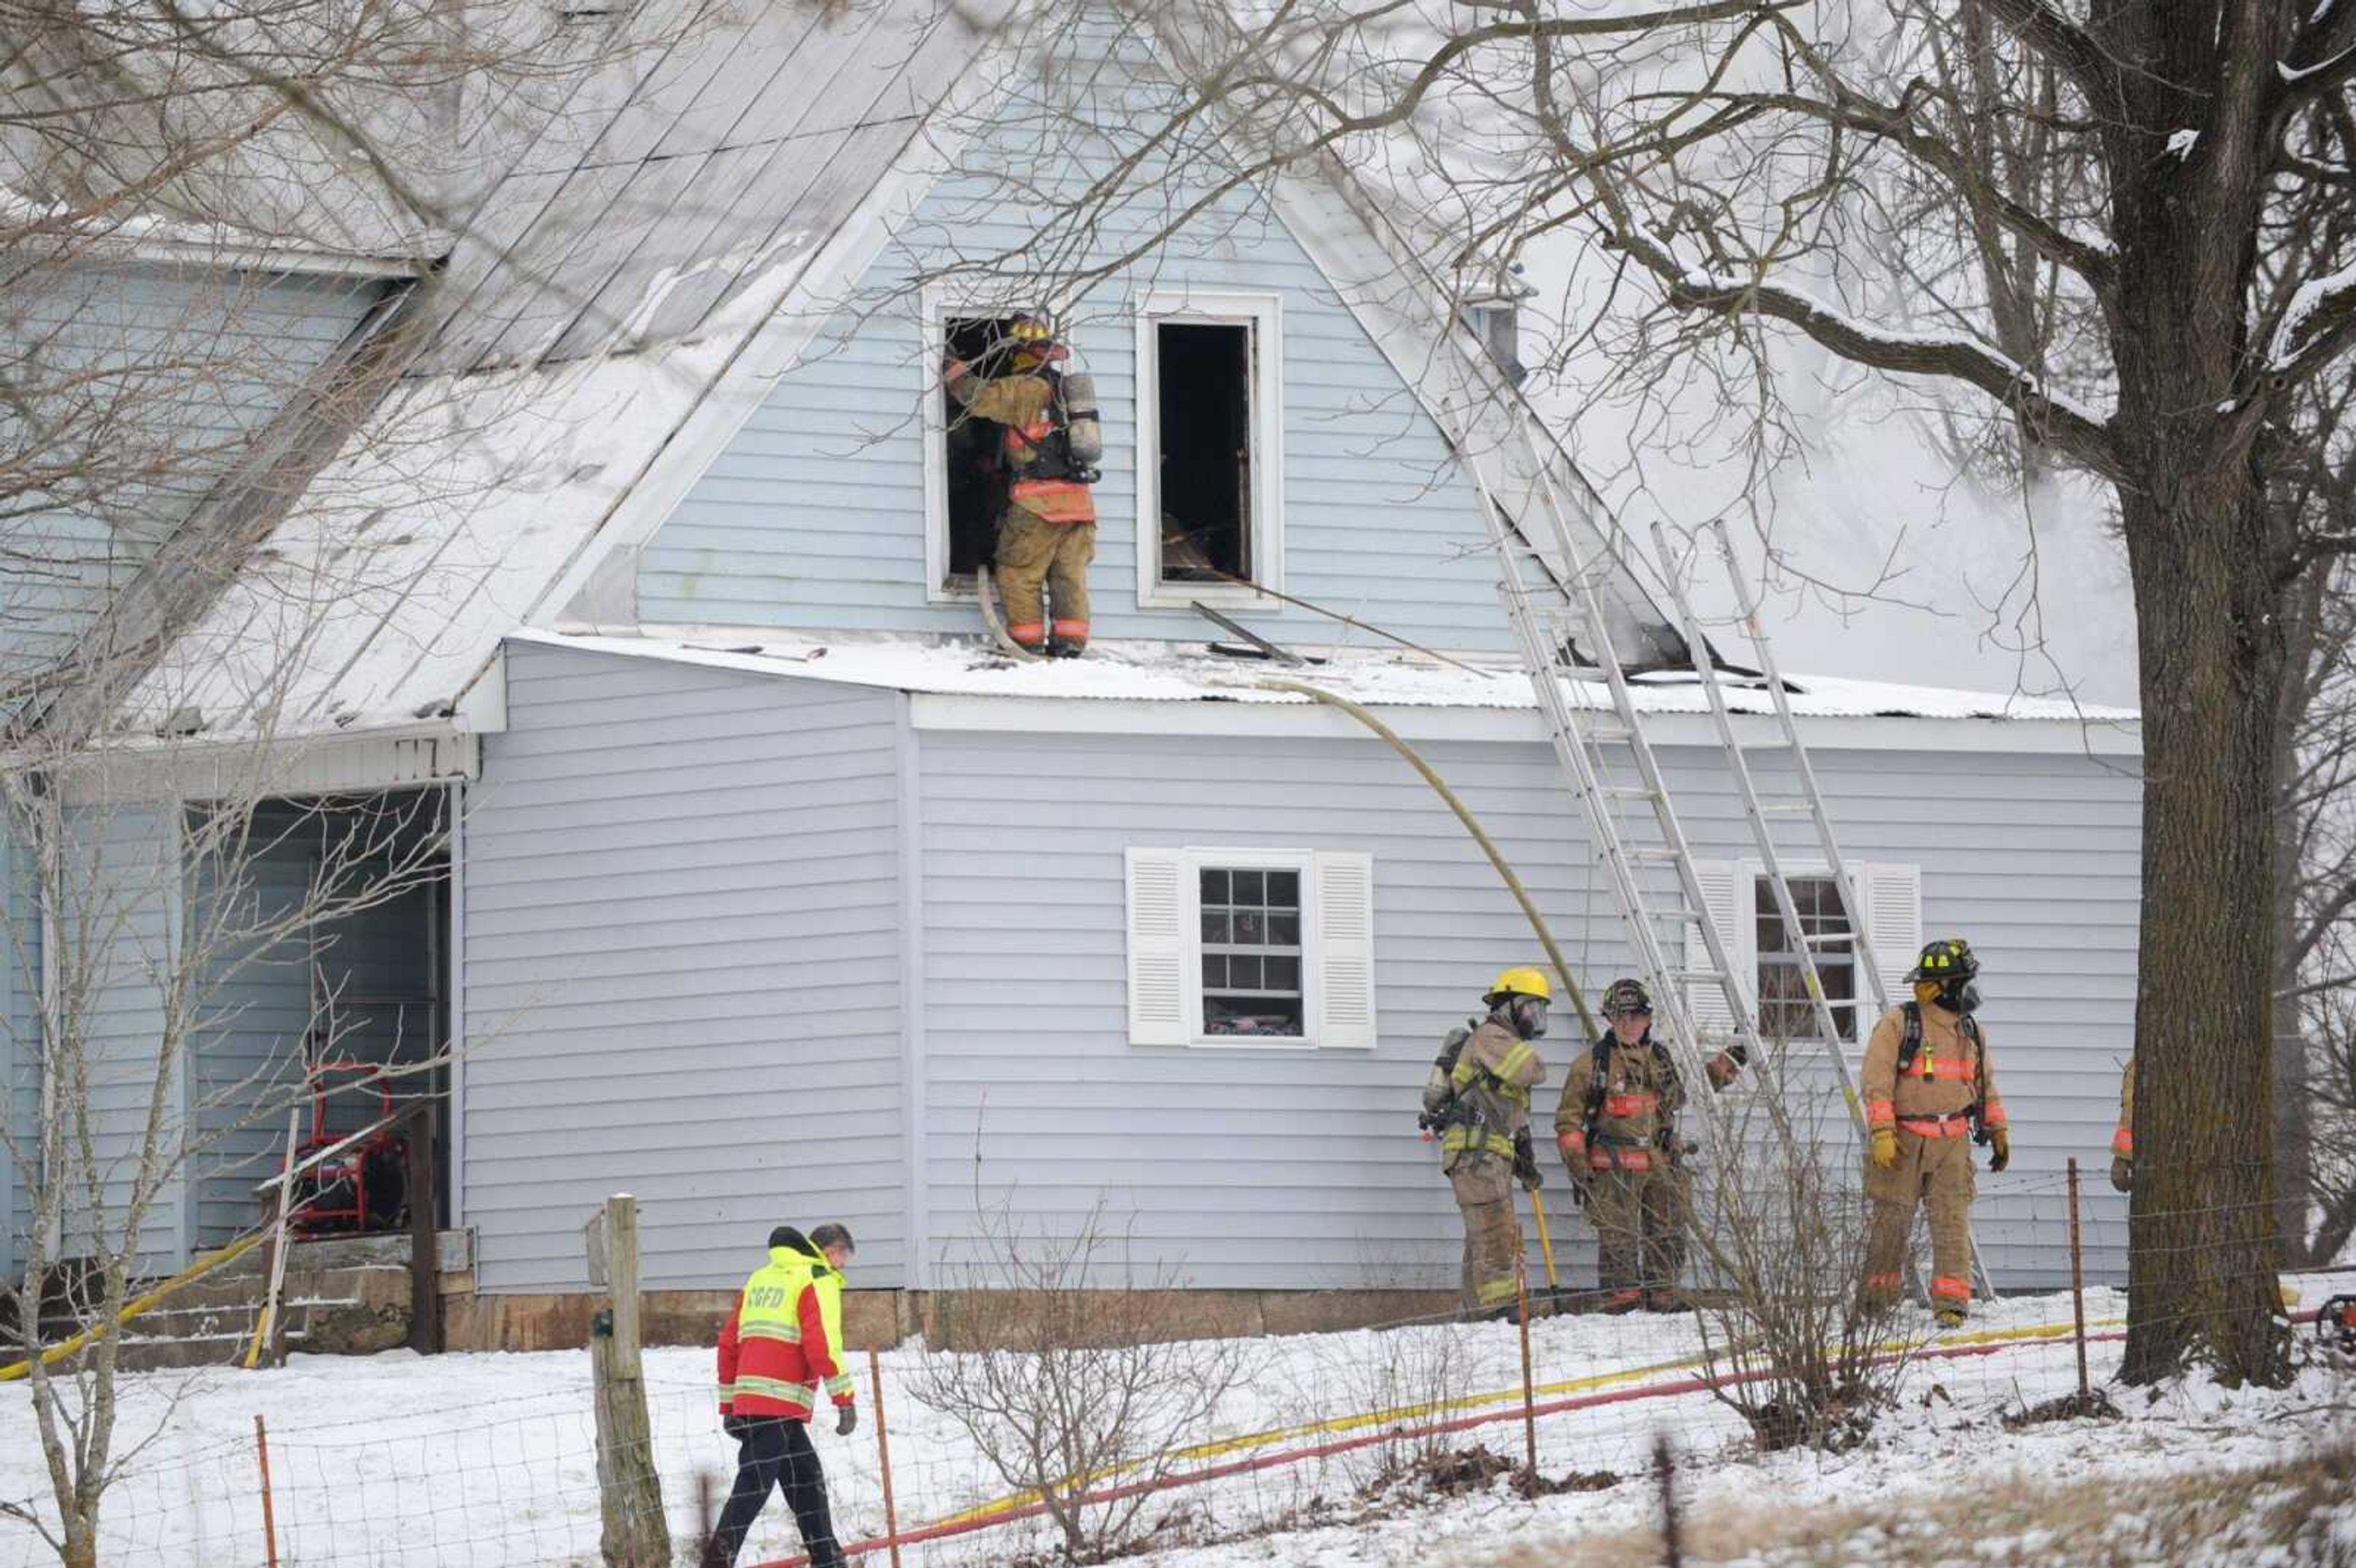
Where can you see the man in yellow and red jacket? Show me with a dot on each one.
(781, 1340)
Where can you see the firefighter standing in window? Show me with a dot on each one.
(783, 1338)
(1478, 1098)
(2123, 1141)
(1616, 1125)
(1047, 535)
(1928, 1083)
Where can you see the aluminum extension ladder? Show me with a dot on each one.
(1586, 747)
(1760, 815)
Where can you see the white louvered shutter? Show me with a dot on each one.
(1345, 948)
(1157, 946)
(1894, 923)
(1724, 891)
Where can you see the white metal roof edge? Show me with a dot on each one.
(1240, 711)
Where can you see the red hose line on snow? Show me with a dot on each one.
(1344, 1444)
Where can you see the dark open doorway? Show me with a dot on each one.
(974, 459)
(1203, 427)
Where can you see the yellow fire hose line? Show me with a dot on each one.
(194, 1272)
(1340, 1425)
(1463, 815)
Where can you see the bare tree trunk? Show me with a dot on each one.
(2203, 1248)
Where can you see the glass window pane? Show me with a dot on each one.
(1284, 888)
(1251, 887)
(1251, 927)
(1215, 887)
(1243, 974)
(1284, 974)
(1215, 926)
(1284, 930)
(1215, 969)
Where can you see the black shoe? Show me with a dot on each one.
(1066, 648)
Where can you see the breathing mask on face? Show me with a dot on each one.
(1528, 1014)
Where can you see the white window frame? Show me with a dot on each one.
(1747, 910)
(935, 304)
(1264, 313)
(1342, 956)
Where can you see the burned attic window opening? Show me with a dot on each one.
(974, 452)
(1202, 383)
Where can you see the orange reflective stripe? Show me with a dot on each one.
(1936, 1126)
(1882, 1281)
(1603, 1159)
(1027, 631)
(2123, 1143)
(1070, 628)
(1943, 1067)
(1054, 500)
(1950, 1286)
(1620, 1107)
(1992, 1114)
(1880, 1112)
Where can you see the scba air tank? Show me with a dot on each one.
(1084, 427)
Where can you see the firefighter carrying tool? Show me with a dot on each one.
(1616, 1126)
(1054, 440)
(1928, 1082)
(783, 1337)
(1478, 1100)
(2123, 1141)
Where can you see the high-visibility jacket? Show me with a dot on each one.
(1024, 403)
(2123, 1141)
(1493, 1075)
(1635, 1101)
(1950, 1074)
(783, 1337)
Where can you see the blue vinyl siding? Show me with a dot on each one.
(1303, 1170)
(20, 1039)
(682, 969)
(813, 518)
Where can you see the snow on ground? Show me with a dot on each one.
(399, 1461)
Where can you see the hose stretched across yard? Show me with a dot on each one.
(143, 1302)
(1013, 1511)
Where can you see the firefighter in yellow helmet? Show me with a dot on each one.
(1928, 1083)
(1047, 536)
(1478, 1099)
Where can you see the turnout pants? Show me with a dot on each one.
(1936, 1172)
(1639, 1221)
(1033, 552)
(1484, 1197)
(772, 1451)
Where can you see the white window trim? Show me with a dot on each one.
(1264, 314)
(1312, 937)
(1747, 911)
(935, 304)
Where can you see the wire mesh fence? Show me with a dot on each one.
(398, 1462)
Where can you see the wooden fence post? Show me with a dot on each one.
(425, 1255)
(884, 1455)
(269, 1510)
(629, 1492)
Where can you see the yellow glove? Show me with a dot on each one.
(1885, 1147)
(2000, 1148)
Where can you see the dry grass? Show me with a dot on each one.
(2300, 1512)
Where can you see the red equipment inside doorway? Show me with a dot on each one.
(364, 1185)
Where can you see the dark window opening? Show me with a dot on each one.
(1252, 952)
(975, 458)
(1204, 385)
(1784, 1010)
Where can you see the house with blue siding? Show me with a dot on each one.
(772, 891)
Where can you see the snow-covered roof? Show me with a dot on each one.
(627, 260)
(1167, 673)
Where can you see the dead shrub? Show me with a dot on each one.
(1069, 1390)
(1778, 1236)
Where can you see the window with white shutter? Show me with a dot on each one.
(1894, 922)
(1723, 891)
(1251, 947)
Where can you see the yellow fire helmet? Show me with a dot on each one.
(1520, 983)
